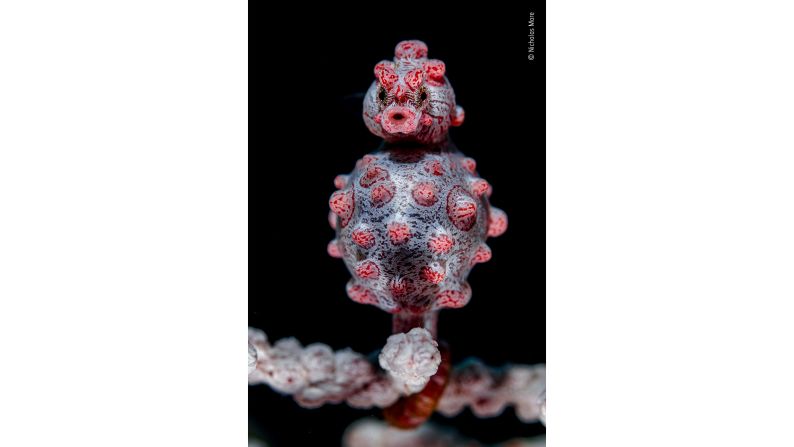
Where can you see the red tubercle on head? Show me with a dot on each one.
(414, 79)
(384, 72)
(435, 70)
(410, 49)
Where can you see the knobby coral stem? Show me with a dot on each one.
(403, 322)
(412, 411)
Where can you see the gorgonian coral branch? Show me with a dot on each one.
(488, 391)
(316, 374)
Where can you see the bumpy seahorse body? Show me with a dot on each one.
(412, 218)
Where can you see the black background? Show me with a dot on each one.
(309, 68)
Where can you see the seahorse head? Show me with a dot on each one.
(411, 100)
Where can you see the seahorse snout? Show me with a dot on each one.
(400, 120)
